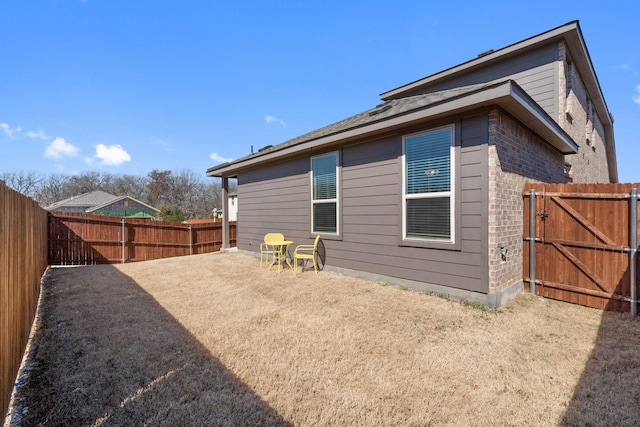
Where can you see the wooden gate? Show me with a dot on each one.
(585, 243)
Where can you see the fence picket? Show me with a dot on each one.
(79, 239)
(23, 261)
(31, 237)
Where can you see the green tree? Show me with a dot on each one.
(172, 215)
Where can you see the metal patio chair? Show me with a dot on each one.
(267, 249)
(304, 252)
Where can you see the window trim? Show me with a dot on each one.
(337, 199)
(453, 242)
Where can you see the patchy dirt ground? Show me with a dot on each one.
(215, 340)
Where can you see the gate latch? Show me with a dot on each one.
(544, 215)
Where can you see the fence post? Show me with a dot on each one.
(532, 241)
(190, 241)
(633, 254)
(123, 241)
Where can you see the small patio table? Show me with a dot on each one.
(281, 254)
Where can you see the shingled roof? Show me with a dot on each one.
(395, 113)
(86, 200)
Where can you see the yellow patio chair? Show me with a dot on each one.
(306, 252)
(266, 249)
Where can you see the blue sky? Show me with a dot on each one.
(130, 86)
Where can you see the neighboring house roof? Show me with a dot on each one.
(94, 201)
(401, 112)
(117, 199)
(86, 200)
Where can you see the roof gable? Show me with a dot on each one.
(570, 33)
(95, 200)
(86, 200)
(118, 199)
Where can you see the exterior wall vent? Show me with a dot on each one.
(485, 53)
(380, 109)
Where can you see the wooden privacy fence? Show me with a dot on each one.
(581, 243)
(23, 261)
(81, 239)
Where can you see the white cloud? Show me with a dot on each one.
(272, 119)
(40, 135)
(8, 131)
(59, 147)
(636, 98)
(112, 155)
(216, 158)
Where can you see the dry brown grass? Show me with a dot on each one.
(214, 340)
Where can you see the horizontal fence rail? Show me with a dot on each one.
(23, 261)
(81, 239)
(581, 244)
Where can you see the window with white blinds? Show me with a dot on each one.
(324, 197)
(427, 185)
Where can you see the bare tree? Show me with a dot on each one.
(184, 190)
(130, 185)
(53, 189)
(25, 182)
(159, 187)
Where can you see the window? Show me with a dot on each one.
(427, 186)
(324, 197)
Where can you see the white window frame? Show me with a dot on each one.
(323, 201)
(451, 193)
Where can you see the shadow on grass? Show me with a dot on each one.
(608, 392)
(108, 354)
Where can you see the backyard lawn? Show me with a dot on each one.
(215, 340)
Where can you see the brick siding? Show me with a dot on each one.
(580, 120)
(516, 156)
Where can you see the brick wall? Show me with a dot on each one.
(516, 156)
(580, 120)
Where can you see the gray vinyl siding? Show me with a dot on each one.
(371, 183)
(273, 199)
(277, 198)
(534, 71)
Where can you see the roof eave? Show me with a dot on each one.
(507, 95)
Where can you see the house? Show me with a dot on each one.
(103, 203)
(232, 206)
(425, 189)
